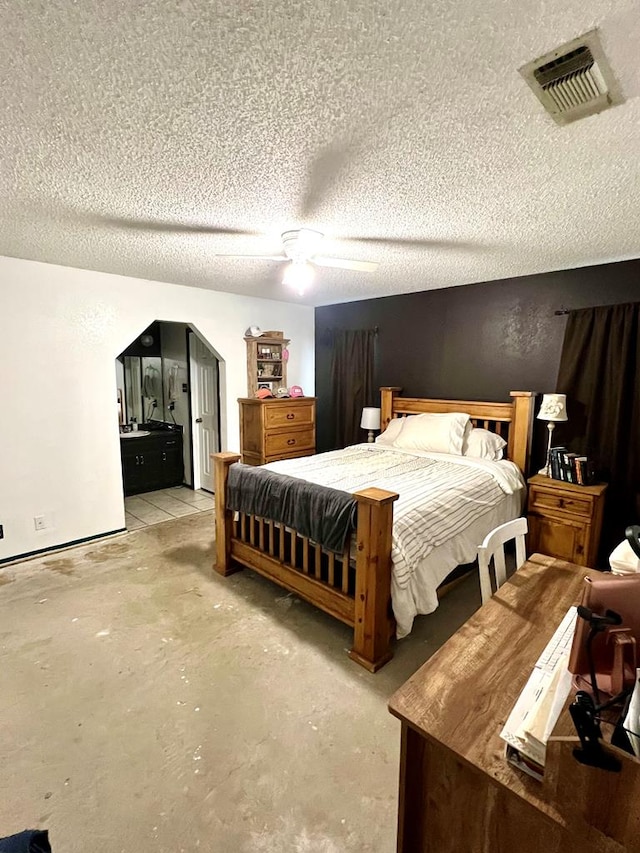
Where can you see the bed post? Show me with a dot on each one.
(387, 393)
(373, 621)
(224, 516)
(521, 430)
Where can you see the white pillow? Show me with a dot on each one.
(438, 433)
(483, 444)
(391, 432)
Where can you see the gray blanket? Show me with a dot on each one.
(318, 512)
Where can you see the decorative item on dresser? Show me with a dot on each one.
(565, 519)
(266, 361)
(354, 585)
(277, 428)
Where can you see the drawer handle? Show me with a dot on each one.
(290, 416)
(291, 441)
(561, 503)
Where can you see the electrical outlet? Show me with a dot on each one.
(39, 522)
(1, 531)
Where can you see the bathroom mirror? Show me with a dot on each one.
(143, 388)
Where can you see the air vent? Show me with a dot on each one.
(574, 80)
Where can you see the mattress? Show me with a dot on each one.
(446, 506)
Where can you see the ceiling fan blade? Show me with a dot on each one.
(321, 175)
(167, 227)
(279, 258)
(411, 243)
(343, 264)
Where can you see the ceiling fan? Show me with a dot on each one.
(300, 248)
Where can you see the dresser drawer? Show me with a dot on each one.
(289, 442)
(286, 416)
(547, 500)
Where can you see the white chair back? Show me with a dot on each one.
(493, 548)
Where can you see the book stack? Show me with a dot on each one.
(570, 467)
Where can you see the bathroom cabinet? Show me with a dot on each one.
(151, 462)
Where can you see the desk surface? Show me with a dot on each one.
(462, 696)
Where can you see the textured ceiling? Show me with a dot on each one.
(361, 118)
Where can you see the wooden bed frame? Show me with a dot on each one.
(360, 594)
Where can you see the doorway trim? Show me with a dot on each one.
(194, 407)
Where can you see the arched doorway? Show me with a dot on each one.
(169, 384)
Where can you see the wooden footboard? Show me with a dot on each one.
(356, 592)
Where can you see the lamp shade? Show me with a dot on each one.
(370, 418)
(553, 408)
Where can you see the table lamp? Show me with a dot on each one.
(370, 421)
(552, 410)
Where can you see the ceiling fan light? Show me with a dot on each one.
(309, 240)
(299, 275)
(301, 244)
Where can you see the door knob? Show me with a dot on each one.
(198, 420)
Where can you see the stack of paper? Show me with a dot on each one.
(536, 712)
(534, 716)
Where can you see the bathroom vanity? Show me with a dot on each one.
(151, 458)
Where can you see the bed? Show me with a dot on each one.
(387, 572)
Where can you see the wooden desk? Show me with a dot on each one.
(457, 792)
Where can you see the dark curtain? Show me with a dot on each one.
(600, 374)
(352, 360)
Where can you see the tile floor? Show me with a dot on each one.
(163, 505)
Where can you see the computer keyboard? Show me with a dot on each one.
(560, 643)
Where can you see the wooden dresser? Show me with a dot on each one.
(278, 428)
(565, 520)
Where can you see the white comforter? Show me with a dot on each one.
(447, 505)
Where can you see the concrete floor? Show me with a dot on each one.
(147, 704)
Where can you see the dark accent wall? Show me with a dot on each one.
(476, 341)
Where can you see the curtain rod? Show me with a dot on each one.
(562, 311)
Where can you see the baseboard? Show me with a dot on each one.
(28, 554)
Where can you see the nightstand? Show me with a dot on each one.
(565, 520)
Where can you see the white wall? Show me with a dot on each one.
(60, 331)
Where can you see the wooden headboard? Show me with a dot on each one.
(513, 421)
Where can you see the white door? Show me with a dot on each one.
(204, 409)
